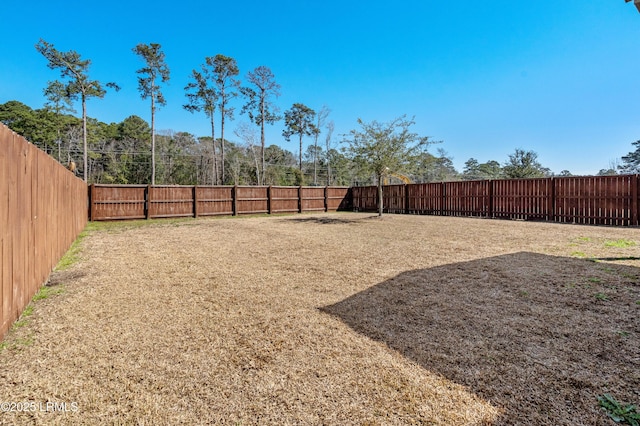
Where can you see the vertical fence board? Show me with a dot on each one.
(18, 211)
(635, 200)
(6, 178)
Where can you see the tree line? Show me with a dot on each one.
(120, 153)
(133, 152)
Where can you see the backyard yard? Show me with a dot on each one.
(331, 319)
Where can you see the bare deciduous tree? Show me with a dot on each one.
(258, 106)
(248, 135)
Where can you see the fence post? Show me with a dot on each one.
(444, 198)
(269, 192)
(354, 208)
(326, 199)
(406, 199)
(195, 201)
(635, 203)
(92, 204)
(300, 199)
(356, 199)
(552, 201)
(147, 204)
(490, 194)
(234, 196)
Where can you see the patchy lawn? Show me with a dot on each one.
(332, 319)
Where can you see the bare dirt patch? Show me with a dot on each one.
(335, 319)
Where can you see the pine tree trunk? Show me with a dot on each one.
(315, 161)
(222, 142)
(153, 138)
(262, 136)
(84, 135)
(300, 152)
(214, 171)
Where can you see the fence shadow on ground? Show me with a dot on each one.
(323, 220)
(613, 259)
(539, 336)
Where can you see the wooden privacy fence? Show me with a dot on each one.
(592, 200)
(42, 210)
(110, 202)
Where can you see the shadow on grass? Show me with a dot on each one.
(539, 336)
(61, 277)
(328, 220)
(613, 259)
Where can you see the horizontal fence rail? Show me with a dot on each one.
(589, 200)
(42, 210)
(113, 202)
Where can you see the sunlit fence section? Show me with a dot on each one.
(43, 208)
(599, 200)
(524, 199)
(111, 202)
(589, 200)
(468, 198)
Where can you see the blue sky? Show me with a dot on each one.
(561, 78)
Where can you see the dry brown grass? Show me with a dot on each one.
(335, 319)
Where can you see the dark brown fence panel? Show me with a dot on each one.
(170, 201)
(467, 198)
(214, 200)
(312, 199)
(593, 200)
(635, 201)
(43, 208)
(524, 199)
(365, 198)
(109, 202)
(425, 198)
(284, 199)
(596, 200)
(393, 198)
(251, 199)
(338, 198)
